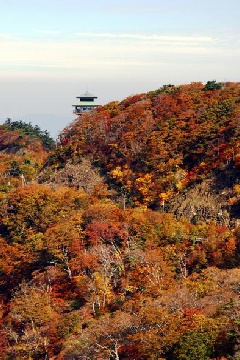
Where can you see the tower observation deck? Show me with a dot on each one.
(86, 103)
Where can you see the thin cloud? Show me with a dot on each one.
(165, 38)
(130, 51)
(143, 8)
(48, 32)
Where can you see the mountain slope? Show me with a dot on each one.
(153, 147)
(126, 244)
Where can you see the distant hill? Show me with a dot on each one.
(54, 123)
(23, 150)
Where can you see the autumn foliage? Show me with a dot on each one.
(119, 270)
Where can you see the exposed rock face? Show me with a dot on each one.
(81, 176)
(206, 202)
(200, 203)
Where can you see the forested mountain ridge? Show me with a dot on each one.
(23, 151)
(153, 147)
(123, 241)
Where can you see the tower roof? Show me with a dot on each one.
(87, 95)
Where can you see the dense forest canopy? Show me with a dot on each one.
(122, 240)
(23, 151)
(31, 131)
(152, 146)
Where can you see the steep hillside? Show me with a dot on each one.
(153, 148)
(125, 246)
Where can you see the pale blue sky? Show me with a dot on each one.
(53, 50)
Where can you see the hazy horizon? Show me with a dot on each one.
(51, 52)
